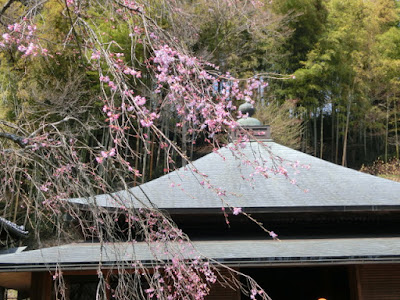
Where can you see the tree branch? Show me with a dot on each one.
(15, 138)
(6, 6)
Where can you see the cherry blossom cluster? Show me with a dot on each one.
(180, 271)
(195, 93)
(23, 37)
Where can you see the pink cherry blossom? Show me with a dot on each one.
(273, 235)
(237, 210)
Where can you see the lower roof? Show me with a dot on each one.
(238, 253)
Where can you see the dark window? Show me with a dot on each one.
(303, 283)
(82, 287)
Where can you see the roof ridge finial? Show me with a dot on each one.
(251, 125)
(248, 108)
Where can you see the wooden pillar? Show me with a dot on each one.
(2, 291)
(41, 286)
(354, 282)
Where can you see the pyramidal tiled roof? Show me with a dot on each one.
(314, 184)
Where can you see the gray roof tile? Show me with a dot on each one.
(241, 252)
(328, 185)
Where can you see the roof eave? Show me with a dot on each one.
(237, 262)
(273, 209)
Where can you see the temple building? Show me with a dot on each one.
(339, 229)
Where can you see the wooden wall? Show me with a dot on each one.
(378, 282)
(221, 292)
(369, 282)
(41, 286)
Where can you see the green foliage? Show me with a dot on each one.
(389, 170)
(344, 54)
(236, 43)
(350, 67)
(287, 128)
(307, 21)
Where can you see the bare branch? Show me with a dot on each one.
(6, 6)
(15, 138)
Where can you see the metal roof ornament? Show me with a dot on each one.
(248, 108)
